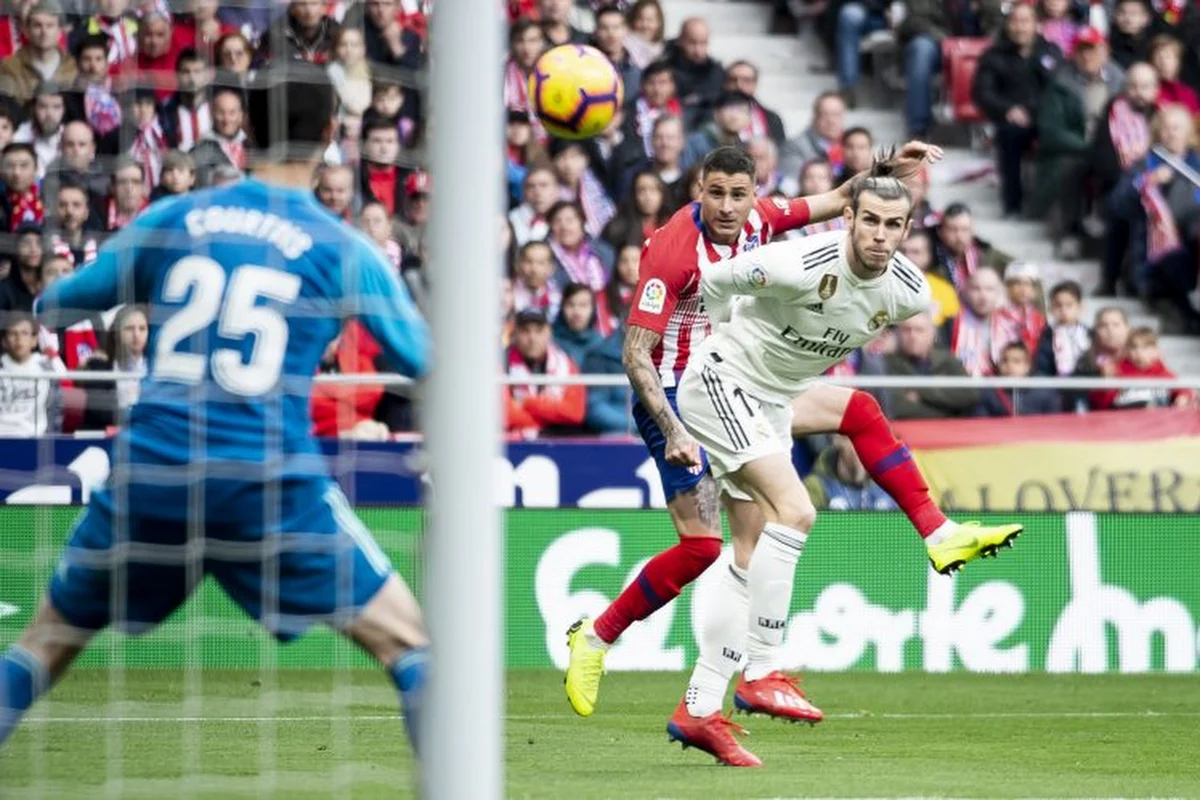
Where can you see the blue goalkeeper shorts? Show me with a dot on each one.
(675, 479)
(312, 560)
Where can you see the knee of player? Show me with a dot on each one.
(796, 514)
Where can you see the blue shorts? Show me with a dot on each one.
(675, 479)
(314, 561)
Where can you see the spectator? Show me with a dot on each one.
(350, 73)
(8, 126)
(1142, 360)
(91, 99)
(124, 351)
(622, 285)
(1110, 334)
(982, 329)
(534, 285)
(76, 343)
(917, 354)
(1133, 28)
(620, 152)
(22, 200)
(178, 176)
(656, 101)
(666, 160)
(541, 192)
(233, 56)
(225, 145)
(149, 142)
(856, 20)
(374, 221)
(821, 139)
(1014, 363)
(77, 161)
(1058, 25)
(923, 215)
(609, 38)
(641, 213)
(575, 329)
(348, 409)
(43, 130)
(1009, 81)
(579, 183)
(387, 40)
(730, 116)
(647, 30)
(12, 24)
(157, 54)
(1068, 113)
(28, 407)
(186, 116)
(959, 251)
(578, 258)
(742, 76)
(1025, 301)
(766, 167)
(1065, 339)
(41, 58)
(305, 33)
(414, 217)
(23, 282)
(1158, 211)
(698, 76)
(608, 407)
(202, 30)
(816, 177)
(75, 235)
(526, 43)
(921, 33)
(335, 190)
(1166, 55)
(918, 248)
(380, 179)
(858, 151)
(391, 102)
(555, 16)
(840, 482)
(129, 195)
(115, 26)
(531, 410)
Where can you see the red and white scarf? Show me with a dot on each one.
(1030, 321)
(978, 343)
(121, 33)
(1069, 342)
(645, 116)
(962, 267)
(758, 127)
(598, 209)
(26, 206)
(234, 149)
(149, 146)
(1129, 131)
(516, 97)
(1162, 233)
(193, 124)
(118, 219)
(558, 363)
(582, 266)
(101, 108)
(835, 224)
(548, 298)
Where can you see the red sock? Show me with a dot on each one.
(660, 582)
(889, 462)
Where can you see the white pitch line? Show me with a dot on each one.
(547, 717)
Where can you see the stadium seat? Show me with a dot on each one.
(959, 59)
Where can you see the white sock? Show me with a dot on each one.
(942, 532)
(722, 639)
(771, 576)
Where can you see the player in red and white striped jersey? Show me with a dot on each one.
(667, 322)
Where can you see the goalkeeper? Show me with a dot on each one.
(215, 472)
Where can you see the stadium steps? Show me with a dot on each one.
(788, 84)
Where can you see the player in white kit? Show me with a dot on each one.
(785, 313)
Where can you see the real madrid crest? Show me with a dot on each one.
(878, 321)
(827, 286)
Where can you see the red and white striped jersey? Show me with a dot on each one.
(668, 299)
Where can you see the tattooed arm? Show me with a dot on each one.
(640, 342)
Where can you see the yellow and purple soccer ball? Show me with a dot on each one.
(575, 91)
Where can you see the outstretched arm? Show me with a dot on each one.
(907, 165)
(640, 342)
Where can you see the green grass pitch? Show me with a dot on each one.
(309, 733)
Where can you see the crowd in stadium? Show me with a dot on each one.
(107, 106)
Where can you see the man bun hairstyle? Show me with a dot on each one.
(881, 180)
(731, 161)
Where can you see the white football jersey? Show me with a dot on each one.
(794, 309)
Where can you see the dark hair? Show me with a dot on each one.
(291, 105)
(94, 41)
(1068, 287)
(656, 68)
(819, 161)
(857, 131)
(20, 147)
(741, 62)
(520, 28)
(664, 211)
(47, 88)
(573, 289)
(14, 318)
(730, 161)
(532, 243)
(116, 349)
(956, 210)
(607, 9)
(829, 94)
(636, 9)
(379, 124)
(1015, 345)
(69, 181)
(563, 205)
(383, 84)
(188, 55)
(1146, 335)
(217, 91)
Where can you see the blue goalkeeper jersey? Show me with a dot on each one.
(246, 286)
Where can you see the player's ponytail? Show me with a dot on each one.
(885, 179)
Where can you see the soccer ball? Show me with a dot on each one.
(575, 91)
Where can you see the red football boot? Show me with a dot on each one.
(715, 734)
(776, 695)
